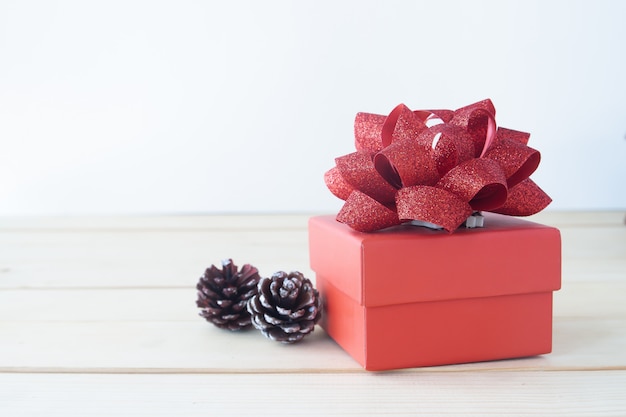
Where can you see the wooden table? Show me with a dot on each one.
(98, 318)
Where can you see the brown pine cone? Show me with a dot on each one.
(286, 308)
(223, 294)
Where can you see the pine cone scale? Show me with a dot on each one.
(291, 328)
(273, 320)
(265, 301)
(229, 291)
(283, 311)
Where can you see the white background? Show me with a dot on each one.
(149, 107)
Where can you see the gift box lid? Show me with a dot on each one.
(407, 263)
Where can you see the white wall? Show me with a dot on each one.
(240, 106)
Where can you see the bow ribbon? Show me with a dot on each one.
(436, 166)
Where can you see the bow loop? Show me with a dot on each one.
(433, 205)
(365, 214)
(525, 199)
(408, 161)
(368, 132)
(479, 120)
(504, 133)
(402, 123)
(358, 170)
(516, 159)
(479, 181)
(452, 147)
(337, 184)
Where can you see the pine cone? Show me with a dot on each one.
(286, 307)
(223, 294)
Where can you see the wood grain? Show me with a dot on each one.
(500, 393)
(97, 317)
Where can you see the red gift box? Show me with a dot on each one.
(404, 296)
(410, 296)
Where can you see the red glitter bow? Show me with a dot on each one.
(437, 166)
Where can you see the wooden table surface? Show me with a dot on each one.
(98, 318)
